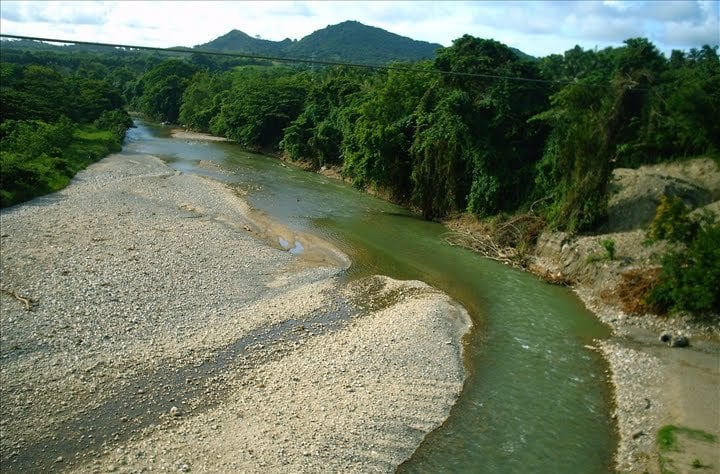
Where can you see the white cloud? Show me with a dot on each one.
(537, 27)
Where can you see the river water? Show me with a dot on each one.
(535, 399)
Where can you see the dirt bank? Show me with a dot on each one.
(655, 385)
(151, 321)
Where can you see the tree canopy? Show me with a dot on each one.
(481, 128)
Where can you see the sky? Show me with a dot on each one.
(536, 27)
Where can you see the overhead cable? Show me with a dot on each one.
(311, 61)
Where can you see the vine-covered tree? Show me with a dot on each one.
(160, 91)
(260, 105)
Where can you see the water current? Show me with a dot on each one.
(535, 400)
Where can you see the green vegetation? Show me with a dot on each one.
(28, 171)
(609, 246)
(690, 274)
(667, 438)
(668, 442)
(260, 104)
(159, 91)
(511, 135)
(672, 222)
(55, 121)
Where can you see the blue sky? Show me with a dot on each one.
(536, 27)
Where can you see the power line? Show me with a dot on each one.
(311, 61)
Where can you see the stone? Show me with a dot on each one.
(680, 341)
(665, 337)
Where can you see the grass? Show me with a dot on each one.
(667, 442)
(609, 246)
(25, 177)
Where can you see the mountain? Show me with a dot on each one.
(349, 41)
(238, 42)
(354, 41)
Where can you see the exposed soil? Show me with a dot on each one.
(655, 384)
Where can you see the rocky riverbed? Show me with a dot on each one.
(655, 385)
(151, 321)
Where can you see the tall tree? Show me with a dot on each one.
(161, 89)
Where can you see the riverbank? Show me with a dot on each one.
(655, 385)
(639, 363)
(151, 321)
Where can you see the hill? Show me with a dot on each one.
(237, 41)
(348, 41)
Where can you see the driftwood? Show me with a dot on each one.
(26, 301)
(505, 243)
(482, 244)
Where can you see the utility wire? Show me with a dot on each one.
(302, 60)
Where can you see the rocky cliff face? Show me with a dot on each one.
(635, 194)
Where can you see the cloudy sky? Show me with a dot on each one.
(536, 27)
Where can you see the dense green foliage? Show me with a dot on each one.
(160, 90)
(260, 104)
(690, 275)
(480, 142)
(57, 117)
(596, 127)
(481, 128)
(37, 158)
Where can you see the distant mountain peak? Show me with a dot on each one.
(348, 41)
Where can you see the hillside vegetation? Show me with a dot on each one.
(53, 124)
(507, 136)
(348, 41)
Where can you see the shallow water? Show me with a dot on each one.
(535, 399)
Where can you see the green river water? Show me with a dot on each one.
(535, 399)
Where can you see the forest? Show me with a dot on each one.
(480, 129)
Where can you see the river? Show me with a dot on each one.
(535, 400)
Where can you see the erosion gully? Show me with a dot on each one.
(536, 398)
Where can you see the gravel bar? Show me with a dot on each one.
(151, 322)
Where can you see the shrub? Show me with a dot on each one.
(671, 222)
(690, 275)
(609, 246)
(632, 291)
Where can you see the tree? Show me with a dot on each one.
(376, 147)
(161, 89)
(202, 99)
(260, 105)
(316, 135)
(690, 274)
(474, 125)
